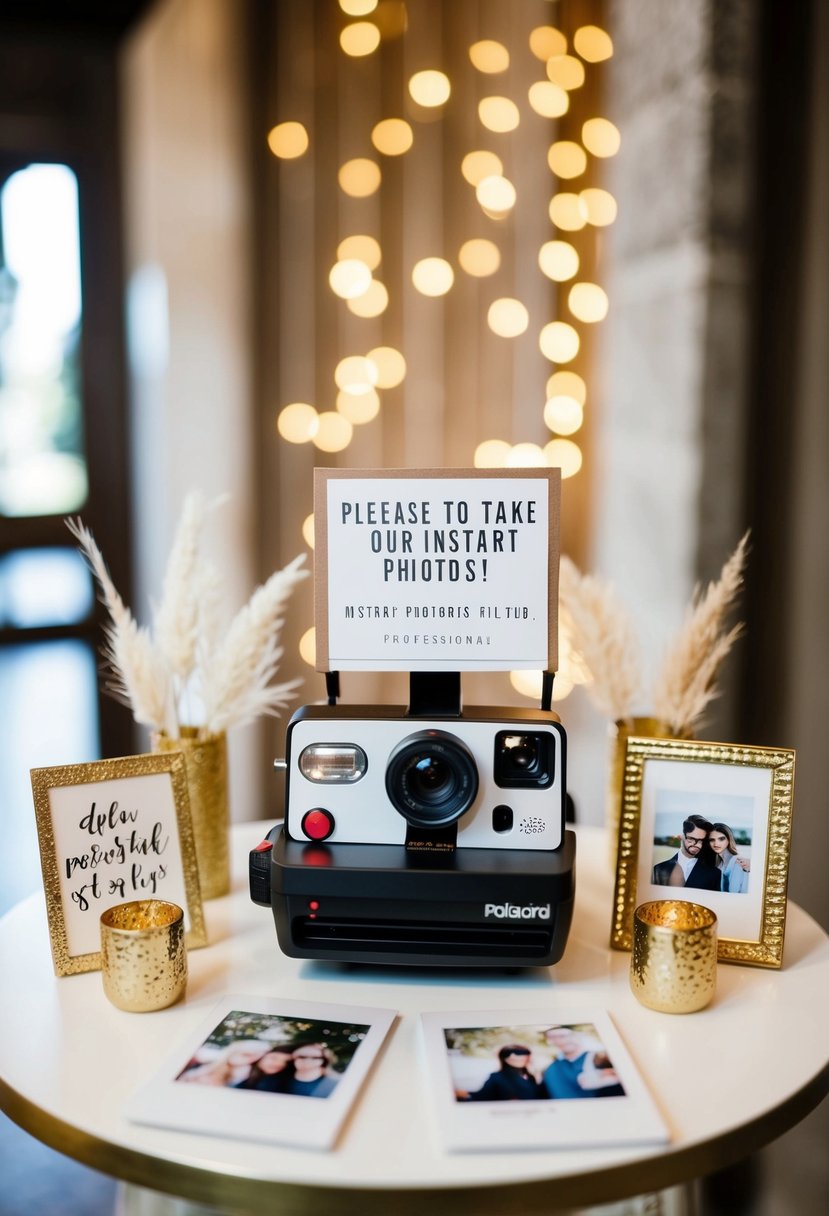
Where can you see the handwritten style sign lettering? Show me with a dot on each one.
(436, 570)
(111, 832)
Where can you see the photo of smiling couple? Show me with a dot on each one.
(504, 1064)
(706, 856)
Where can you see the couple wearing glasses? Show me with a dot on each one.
(708, 860)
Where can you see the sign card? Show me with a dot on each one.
(111, 832)
(436, 570)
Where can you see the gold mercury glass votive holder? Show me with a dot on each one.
(143, 959)
(673, 966)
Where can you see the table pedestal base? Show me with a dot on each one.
(136, 1201)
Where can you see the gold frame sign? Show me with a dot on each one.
(110, 832)
(738, 865)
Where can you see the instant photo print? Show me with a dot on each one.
(279, 1072)
(505, 1080)
(431, 833)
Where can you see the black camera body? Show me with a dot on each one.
(430, 835)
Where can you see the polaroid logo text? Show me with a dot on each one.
(518, 912)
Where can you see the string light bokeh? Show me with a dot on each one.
(368, 278)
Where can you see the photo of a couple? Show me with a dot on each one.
(274, 1055)
(701, 853)
(530, 1063)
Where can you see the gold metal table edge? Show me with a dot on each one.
(238, 1193)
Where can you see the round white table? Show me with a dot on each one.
(728, 1079)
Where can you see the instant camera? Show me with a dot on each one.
(429, 834)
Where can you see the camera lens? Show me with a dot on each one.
(431, 779)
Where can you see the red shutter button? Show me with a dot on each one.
(317, 824)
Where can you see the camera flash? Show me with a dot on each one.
(333, 763)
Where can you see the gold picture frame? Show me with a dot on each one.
(109, 832)
(665, 781)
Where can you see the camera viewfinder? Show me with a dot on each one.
(525, 758)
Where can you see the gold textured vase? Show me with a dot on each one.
(620, 732)
(205, 761)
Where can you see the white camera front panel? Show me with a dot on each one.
(363, 814)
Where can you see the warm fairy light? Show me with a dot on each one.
(548, 99)
(545, 42)
(567, 384)
(392, 136)
(568, 212)
(433, 276)
(601, 137)
(479, 257)
(359, 410)
(363, 248)
(389, 366)
(499, 114)
(308, 530)
(372, 303)
(526, 456)
(358, 8)
(359, 177)
(593, 44)
(359, 39)
(355, 374)
(600, 205)
(492, 454)
(496, 195)
(566, 71)
(558, 260)
(475, 166)
(559, 342)
(430, 88)
(563, 454)
(334, 432)
(587, 302)
(507, 317)
(349, 278)
(528, 683)
(308, 646)
(488, 56)
(567, 159)
(288, 140)
(298, 422)
(564, 415)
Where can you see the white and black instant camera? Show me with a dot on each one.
(429, 834)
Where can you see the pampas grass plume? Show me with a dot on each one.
(140, 675)
(603, 637)
(686, 683)
(237, 683)
(161, 673)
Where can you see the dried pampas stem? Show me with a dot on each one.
(603, 637)
(687, 681)
(141, 678)
(237, 686)
(176, 619)
(160, 673)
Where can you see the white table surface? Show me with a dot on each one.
(753, 1064)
